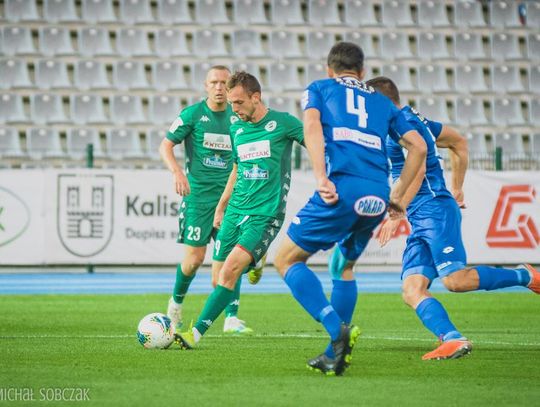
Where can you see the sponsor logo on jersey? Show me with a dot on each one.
(255, 150)
(271, 125)
(296, 220)
(448, 250)
(204, 118)
(216, 141)
(351, 82)
(177, 123)
(256, 173)
(364, 139)
(443, 265)
(509, 229)
(239, 131)
(370, 205)
(234, 119)
(215, 161)
(305, 99)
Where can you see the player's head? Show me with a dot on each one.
(387, 87)
(215, 82)
(244, 94)
(345, 58)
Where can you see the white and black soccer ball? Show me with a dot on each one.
(155, 331)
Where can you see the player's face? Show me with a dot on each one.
(242, 103)
(215, 85)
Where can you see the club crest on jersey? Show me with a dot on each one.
(255, 150)
(234, 119)
(271, 125)
(370, 205)
(215, 141)
(256, 173)
(177, 123)
(215, 161)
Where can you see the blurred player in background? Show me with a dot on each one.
(255, 196)
(204, 129)
(435, 247)
(346, 124)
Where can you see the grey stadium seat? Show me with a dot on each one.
(77, 140)
(401, 75)
(468, 46)
(123, 143)
(47, 108)
(12, 109)
(153, 141)
(395, 46)
(209, 43)
(168, 75)
(534, 79)
(52, 74)
(534, 112)
(470, 79)
(511, 144)
(468, 13)
(507, 112)
(365, 41)
(10, 143)
(533, 14)
(249, 12)
(127, 109)
(360, 13)
(323, 12)
(533, 47)
(504, 14)
(432, 13)
(43, 142)
(132, 42)
(250, 67)
(129, 75)
(432, 46)
(136, 12)
(172, 12)
(199, 71)
(20, 10)
(17, 41)
(58, 11)
(14, 74)
(283, 77)
(210, 12)
(97, 11)
(171, 43)
(284, 44)
(55, 41)
(478, 150)
(247, 44)
(432, 78)
(434, 108)
(163, 109)
(288, 12)
(505, 47)
(89, 74)
(314, 72)
(506, 79)
(87, 109)
(396, 13)
(94, 42)
(318, 44)
(283, 104)
(470, 111)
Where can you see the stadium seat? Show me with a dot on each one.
(94, 42)
(199, 71)
(171, 43)
(315, 71)
(505, 47)
(470, 112)
(47, 108)
(434, 108)
(55, 41)
(432, 13)
(131, 42)
(168, 75)
(20, 10)
(77, 140)
(318, 43)
(97, 11)
(89, 74)
(12, 109)
(10, 143)
(507, 112)
(506, 79)
(59, 11)
(432, 46)
(432, 78)
(504, 14)
(533, 14)
(533, 47)
(127, 109)
(288, 12)
(135, 12)
(283, 104)
(123, 143)
(396, 13)
(210, 12)
(250, 67)
(284, 44)
(17, 41)
(468, 13)
(247, 44)
(173, 12)
(323, 12)
(129, 75)
(470, 79)
(364, 41)
(535, 146)
(87, 109)
(283, 77)
(479, 154)
(43, 142)
(401, 75)
(360, 13)
(14, 74)
(208, 44)
(468, 46)
(249, 12)
(395, 46)
(51, 74)
(511, 144)
(534, 79)
(163, 109)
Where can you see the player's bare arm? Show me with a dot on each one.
(166, 152)
(225, 197)
(314, 141)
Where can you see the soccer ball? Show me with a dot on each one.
(155, 331)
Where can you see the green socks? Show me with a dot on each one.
(232, 308)
(181, 285)
(215, 304)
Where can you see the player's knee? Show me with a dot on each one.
(411, 294)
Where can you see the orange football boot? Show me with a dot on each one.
(534, 284)
(451, 349)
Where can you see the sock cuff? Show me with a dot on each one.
(220, 288)
(325, 311)
(293, 271)
(184, 276)
(343, 283)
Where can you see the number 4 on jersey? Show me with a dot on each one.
(357, 107)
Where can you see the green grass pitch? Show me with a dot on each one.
(89, 341)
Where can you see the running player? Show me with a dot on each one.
(255, 195)
(435, 247)
(346, 124)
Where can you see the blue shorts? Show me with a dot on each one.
(435, 247)
(350, 222)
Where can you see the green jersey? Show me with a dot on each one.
(208, 147)
(262, 152)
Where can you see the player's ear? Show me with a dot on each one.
(330, 72)
(361, 74)
(256, 98)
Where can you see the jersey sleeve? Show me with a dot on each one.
(435, 128)
(181, 127)
(399, 124)
(312, 98)
(232, 132)
(296, 129)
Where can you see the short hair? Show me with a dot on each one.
(246, 80)
(386, 86)
(345, 56)
(219, 68)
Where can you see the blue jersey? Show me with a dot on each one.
(433, 184)
(355, 121)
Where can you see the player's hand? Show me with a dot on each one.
(327, 191)
(387, 231)
(181, 183)
(218, 217)
(459, 196)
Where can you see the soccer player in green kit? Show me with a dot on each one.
(204, 129)
(255, 195)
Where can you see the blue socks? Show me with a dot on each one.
(343, 299)
(492, 278)
(434, 317)
(308, 291)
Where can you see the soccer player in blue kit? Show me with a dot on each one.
(345, 126)
(435, 247)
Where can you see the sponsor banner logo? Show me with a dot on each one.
(364, 139)
(253, 151)
(215, 141)
(370, 205)
(14, 216)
